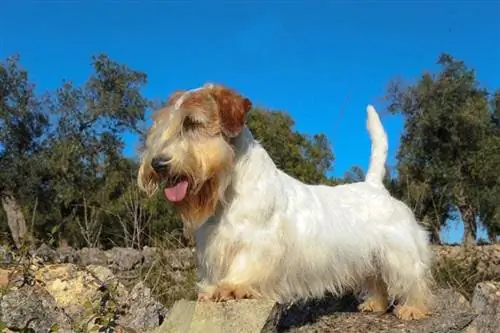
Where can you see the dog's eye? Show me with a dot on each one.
(190, 123)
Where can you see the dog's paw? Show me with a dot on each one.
(227, 291)
(204, 296)
(373, 305)
(409, 312)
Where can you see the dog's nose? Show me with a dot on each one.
(160, 163)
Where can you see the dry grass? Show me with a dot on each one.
(171, 275)
(460, 275)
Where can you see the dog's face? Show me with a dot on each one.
(188, 153)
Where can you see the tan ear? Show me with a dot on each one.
(232, 109)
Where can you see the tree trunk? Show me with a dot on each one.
(15, 218)
(470, 228)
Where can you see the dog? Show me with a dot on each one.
(261, 233)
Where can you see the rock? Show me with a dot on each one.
(46, 254)
(32, 307)
(149, 254)
(6, 256)
(91, 256)
(124, 259)
(244, 316)
(486, 303)
(144, 313)
(452, 314)
(5, 276)
(180, 259)
(66, 255)
(79, 291)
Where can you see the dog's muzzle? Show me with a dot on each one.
(160, 164)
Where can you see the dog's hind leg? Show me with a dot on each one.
(377, 299)
(407, 276)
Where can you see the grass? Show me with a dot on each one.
(168, 281)
(461, 275)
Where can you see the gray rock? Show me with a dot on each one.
(243, 316)
(180, 259)
(149, 254)
(452, 314)
(91, 256)
(486, 304)
(6, 256)
(32, 307)
(124, 259)
(66, 255)
(144, 313)
(46, 254)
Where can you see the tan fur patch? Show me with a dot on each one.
(405, 312)
(227, 292)
(377, 300)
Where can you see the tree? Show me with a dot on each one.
(446, 131)
(23, 123)
(309, 158)
(84, 162)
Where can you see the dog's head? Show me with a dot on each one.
(188, 152)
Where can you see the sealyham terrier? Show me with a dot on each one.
(262, 233)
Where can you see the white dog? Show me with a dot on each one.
(261, 233)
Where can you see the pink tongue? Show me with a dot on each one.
(176, 193)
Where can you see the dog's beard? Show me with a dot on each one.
(195, 199)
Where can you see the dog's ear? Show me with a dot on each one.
(233, 109)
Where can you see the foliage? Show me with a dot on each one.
(63, 166)
(63, 162)
(305, 157)
(448, 150)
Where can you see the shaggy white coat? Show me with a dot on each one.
(289, 240)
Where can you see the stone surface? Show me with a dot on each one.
(33, 307)
(91, 256)
(144, 313)
(89, 298)
(124, 259)
(5, 276)
(6, 256)
(452, 313)
(486, 303)
(46, 254)
(70, 286)
(244, 316)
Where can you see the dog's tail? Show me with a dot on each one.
(376, 170)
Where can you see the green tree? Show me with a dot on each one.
(446, 131)
(23, 124)
(309, 158)
(84, 163)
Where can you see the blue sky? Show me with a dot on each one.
(320, 61)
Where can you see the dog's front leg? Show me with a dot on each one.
(245, 276)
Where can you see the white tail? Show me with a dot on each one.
(378, 136)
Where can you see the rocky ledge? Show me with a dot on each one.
(91, 290)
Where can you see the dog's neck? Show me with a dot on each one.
(251, 159)
(253, 172)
